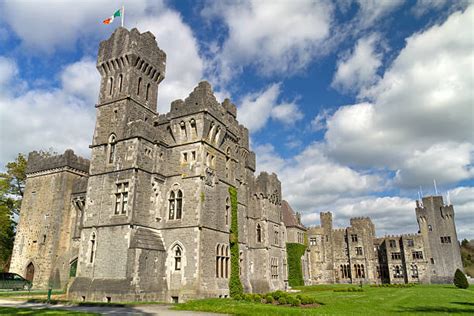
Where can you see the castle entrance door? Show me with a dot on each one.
(30, 272)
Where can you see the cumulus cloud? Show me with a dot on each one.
(277, 37)
(40, 119)
(371, 11)
(358, 69)
(8, 70)
(257, 108)
(418, 110)
(424, 6)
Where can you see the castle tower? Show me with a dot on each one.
(43, 246)
(119, 251)
(438, 230)
(328, 245)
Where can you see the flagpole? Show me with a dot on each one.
(123, 14)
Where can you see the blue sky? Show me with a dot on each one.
(354, 104)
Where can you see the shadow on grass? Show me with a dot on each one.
(463, 303)
(429, 309)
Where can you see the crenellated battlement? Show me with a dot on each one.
(38, 162)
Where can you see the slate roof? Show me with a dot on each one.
(289, 216)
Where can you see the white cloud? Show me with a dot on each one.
(257, 108)
(359, 68)
(419, 113)
(371, 11)
(278, 37)
(424, 6)
(8, 70)
(81, 79)
(287, 113)
(41, 119)
(318, 123)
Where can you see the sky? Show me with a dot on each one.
(356, 105)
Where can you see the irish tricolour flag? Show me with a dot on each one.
(117, 14)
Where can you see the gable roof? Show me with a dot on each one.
(289, 216)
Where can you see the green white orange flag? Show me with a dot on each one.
(117, 14)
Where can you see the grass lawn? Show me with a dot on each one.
(420, 299)
(29, 311)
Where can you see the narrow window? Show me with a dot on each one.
(120, 82)
(147, 91)
(227, 209)
(112, 144)
(227, 163)
(241, 261)
(217, 260)
(414, 271)
(227, 259)
(183, 130)
(138, 86)
(259, 233)
(111, 88)
(359, 251)
(179, 204)
(91, 260)
(171, 205)
(430, 228)
(354, 238)
(177, 259)
(193, 128)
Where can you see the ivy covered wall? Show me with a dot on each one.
(295, 272)
(235, 286)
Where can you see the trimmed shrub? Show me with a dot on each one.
(269, 299)
(293, 301)
(237, 297)
(294, 252)
(235, 286)
(460, 280)
(257, 298)
(277, 294)
(282, 300)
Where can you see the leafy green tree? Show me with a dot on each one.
(460, 280)
(464, 242)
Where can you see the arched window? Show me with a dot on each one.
(138, 86)
(259, 233)
(112, 148)
(179, 204)
(92, 250)
(172, 202)
(218, 260)
(227, 259)
(414, 271)
(175, 202)
(120, 82)
(177, 258)
(227, 210)
(227, 163)
(147, 94)
(362, 270)
(193, 128)
(111, 86)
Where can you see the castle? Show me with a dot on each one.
(149, 216)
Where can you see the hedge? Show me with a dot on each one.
(235, 286)
(460, 280)
(295, 273)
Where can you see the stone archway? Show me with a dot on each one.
(30, 272)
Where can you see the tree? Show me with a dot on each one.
(460, 280)
(464, 242)
(12, 184)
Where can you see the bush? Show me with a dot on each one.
(460, 280)
(257, 298)
(269, 299)
(277, 294)
(237, 297)
(282, 301)
(293, 301)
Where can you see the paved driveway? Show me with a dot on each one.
(160, 310)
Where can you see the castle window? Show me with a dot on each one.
(179, 204)
(259, 233)
(92, 249)
(313, 241)
(393, 243)
(410, 243)
(446, 240)
(147, 93)
(175, 203)
(227, 209)
(241, 261)
(218, 260)
(274, 267)
(121, 198)
(227, 163)
(359, 251)
(345, 271)
(193, 128)
(183, 130)
(111, 85)
(432, 260)
(177, 258)
(414, 271)
(396, 256)
(276, 239)
(359, 270)
(222, 261)
(185, 157)
(430, 228)
(397, 272)
(354, 238)
(111, 148)
(138, 86)
(417, 255)
(120, 82)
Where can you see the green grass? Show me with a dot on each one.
(420, 299)
(29, 311)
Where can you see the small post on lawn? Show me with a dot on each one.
(50, 290)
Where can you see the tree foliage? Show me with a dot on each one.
(460, 280)
(235, 285)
